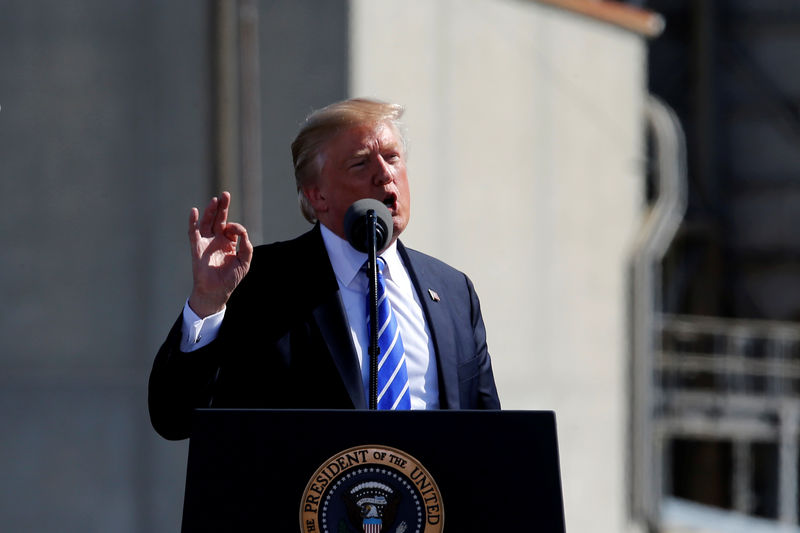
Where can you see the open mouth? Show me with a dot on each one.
(390, 201)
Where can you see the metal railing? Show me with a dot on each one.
(738, 381)
(703, 378)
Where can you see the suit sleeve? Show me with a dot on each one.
(179, 383)
(487, 397)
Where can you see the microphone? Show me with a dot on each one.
(356, 224)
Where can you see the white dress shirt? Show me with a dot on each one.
(347, 263)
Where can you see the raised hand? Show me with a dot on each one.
(221, 255)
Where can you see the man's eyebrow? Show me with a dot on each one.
(359, 153)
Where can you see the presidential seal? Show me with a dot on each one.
(371, 489)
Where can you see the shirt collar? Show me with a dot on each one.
(347, 261)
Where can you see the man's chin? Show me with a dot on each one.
(398, 225)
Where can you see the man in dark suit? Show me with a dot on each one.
(283, 326)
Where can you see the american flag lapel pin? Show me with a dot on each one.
(434, 295)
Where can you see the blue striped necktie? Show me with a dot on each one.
(393, 390)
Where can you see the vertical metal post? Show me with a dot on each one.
(788, 463)
(705, 15)
(237, 110)
(742, 468)
(226, 99)
(250, 119)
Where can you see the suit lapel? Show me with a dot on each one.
(440, 325)
(331, 320)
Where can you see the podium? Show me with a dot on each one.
(336, 471)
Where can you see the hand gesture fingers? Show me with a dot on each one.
(221, 255)
(215, 216)
(233, 232)
(194, 232)
(221, 215)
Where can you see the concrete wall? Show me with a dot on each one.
(526, 168)
(105, 138)
(103, 130)
(304, 66)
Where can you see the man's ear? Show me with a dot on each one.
(315, 197)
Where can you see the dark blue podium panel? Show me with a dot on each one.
(466, 471)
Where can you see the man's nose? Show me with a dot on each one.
(383, 172)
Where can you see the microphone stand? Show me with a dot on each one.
(370, 216)
(372, 273)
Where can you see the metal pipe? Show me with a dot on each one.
(659, 228)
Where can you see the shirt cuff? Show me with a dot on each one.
(196, 331)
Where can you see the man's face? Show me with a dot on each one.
(364, 161)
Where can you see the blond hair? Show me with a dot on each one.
(324, 124)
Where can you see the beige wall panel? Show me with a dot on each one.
(526, 172)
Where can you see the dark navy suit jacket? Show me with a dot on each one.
(284, 342)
